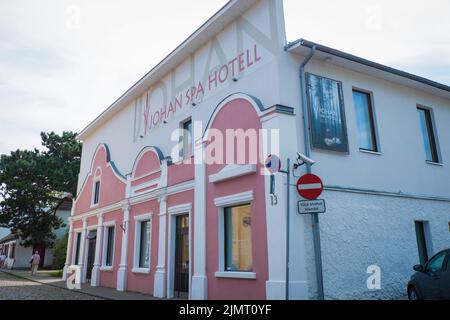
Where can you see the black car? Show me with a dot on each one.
(432, 281)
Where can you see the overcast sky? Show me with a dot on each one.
(58, 72)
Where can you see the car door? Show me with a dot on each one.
(445, 279)
(431, 281)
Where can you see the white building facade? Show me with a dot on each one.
(18, 256)
(146, 219)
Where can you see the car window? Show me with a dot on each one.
(436, 264)
(447, 264)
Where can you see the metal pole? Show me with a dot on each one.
(288, 224)
(315, 217)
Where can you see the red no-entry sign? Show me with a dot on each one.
(310, 186)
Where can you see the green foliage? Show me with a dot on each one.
(62, 160)
(56, 274)
(59, 251)
(31, 185)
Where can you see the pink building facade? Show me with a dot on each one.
(174, 199)
(188, 222)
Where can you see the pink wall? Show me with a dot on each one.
(112, 189)
(77, 224)
(237, 114)
(149, 162)
(179, 173)
(146, 179)
(143, 283)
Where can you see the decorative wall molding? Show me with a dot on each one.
(235, 199)
(232, 171)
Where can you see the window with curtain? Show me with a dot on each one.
(428, 135)
(77, 249)
(144, 244)
(110, 233)
(365, 121)
(188, 146)
(96, 192)
(238, 239)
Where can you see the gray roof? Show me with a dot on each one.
(8, 238)
(365, 62)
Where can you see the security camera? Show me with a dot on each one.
(305, 159)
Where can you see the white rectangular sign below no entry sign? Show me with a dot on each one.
(312, 207)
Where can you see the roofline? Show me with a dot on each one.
(368, 63)
(10, 237)
(87, 130)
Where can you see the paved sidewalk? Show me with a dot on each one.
(97, 293)
(15, 288)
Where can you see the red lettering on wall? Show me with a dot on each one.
(241, 62)
(257, 58)
(249, 59)
(233, 68)
(200, 90)
(223, 73)
(213, 80)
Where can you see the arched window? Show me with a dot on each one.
(96, 187)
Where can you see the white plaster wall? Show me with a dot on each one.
(360, 230)
(402, 166)
(22, 257)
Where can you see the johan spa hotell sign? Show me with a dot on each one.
(327, 115)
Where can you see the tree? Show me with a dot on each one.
(32, 184)
(60, 251)
(62, 160)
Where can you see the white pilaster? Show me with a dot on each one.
(69, 244)
(199, 288)
(161, 273)
(122, 273)
(95, 281)
(280, 144)
(83, 263)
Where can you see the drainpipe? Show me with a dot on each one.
(315, 217)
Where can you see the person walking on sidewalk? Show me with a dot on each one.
(35, 259)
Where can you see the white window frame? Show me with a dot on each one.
(183, 139)
(222, 203)
(75, 243)
(137, 242)
(174, 212)
(374, 119)
(106, 226)
(434, 129)
(94, 182)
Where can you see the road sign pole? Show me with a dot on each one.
(317, 250)
(310, 187)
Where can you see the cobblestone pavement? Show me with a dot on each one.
(13, 288)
